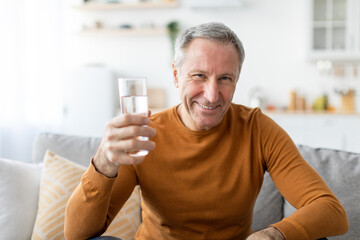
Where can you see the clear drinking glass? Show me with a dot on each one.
(134, 100)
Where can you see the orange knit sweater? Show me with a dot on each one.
(203, 185)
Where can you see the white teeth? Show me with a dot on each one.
(206, 107)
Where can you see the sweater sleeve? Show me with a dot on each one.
(319, 214)
(96, 201)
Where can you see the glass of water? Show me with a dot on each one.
(134, 100)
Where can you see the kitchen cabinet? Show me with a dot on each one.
(338, 131)
(353, 134)
(335, 30)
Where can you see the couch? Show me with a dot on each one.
(27, 188)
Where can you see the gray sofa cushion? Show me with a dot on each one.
(269, 205)
(77, 149)
(341, 172)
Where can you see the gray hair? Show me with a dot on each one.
(212, 31)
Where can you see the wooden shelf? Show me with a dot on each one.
(125, 32)
(94, 6)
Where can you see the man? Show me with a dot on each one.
(202, 178)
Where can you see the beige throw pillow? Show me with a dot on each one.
(59, 179)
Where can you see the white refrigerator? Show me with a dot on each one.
(90, 100)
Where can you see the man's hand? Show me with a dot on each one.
(120, 138)
(269, 233)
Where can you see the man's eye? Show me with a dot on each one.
(225, 79)
(199, 75)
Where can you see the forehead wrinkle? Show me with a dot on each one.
(210, 67)
(211, 59)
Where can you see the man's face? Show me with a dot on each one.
(206, 81)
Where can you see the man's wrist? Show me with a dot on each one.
(276, 233)
(270, 233)
(104, 167)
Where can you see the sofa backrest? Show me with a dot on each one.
(74, 148)
(268, 208)
(339, 169)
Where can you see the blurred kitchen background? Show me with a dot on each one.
(60, 60)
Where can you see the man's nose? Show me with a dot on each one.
(211, 91)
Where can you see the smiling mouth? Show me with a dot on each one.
(205, 107)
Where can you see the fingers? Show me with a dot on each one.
(123, 137)
(130, 132)
(119, 151)
(128, 119)
(129, 145)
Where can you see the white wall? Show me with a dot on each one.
(275, 35)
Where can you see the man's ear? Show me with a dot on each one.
(175, 77)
